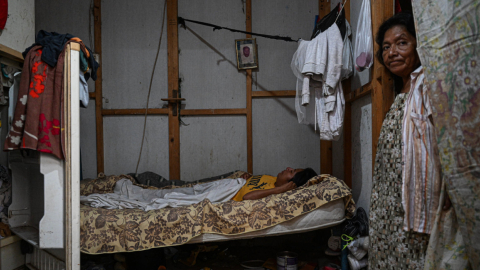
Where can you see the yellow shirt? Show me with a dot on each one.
(256, 182)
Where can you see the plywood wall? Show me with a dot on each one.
(209, 79)
(19, 31)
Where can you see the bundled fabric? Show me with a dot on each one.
(38, 119)
(127, 196)
(357, 225)
(53, 44)
(38, 125)
(317, 64)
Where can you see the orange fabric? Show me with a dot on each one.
(76, 39)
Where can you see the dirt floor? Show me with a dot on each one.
(230, 255)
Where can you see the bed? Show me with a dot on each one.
(323, 202)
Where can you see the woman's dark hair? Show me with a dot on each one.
(302, 177)
(403, 18)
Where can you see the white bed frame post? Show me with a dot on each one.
(72, 157)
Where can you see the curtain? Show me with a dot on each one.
(448, 43)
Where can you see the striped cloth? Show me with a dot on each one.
(421, 166)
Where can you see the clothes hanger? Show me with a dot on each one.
(340, 11)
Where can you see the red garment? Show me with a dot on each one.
(37, 123)
(3, 13)
(398, 8)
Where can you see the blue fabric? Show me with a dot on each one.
(52, 44)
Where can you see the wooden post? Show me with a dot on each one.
(248, 12)
(98, 85)
(382, 83)
(326, 165)
(173, 122)
(72, 156)
(347, 123)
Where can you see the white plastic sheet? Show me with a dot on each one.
(364, 40)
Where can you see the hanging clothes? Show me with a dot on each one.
(38, 125)
(83, 91)
(448, 45)
(328, 20)
(317, 64)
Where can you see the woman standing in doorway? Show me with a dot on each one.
(406, 178)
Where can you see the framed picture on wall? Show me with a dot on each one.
(246, 53)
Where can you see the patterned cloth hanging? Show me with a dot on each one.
(449, 48)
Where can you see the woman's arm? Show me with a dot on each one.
(258, 194)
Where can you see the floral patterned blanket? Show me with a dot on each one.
(112, 231)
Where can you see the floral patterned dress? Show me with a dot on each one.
(390, 246)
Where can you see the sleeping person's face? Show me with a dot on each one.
(286, 175)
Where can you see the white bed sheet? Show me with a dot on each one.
(325, 216)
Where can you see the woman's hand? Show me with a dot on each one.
(246, 176)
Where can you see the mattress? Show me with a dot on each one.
(323, 202)
(328, 215)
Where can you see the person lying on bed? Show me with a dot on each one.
(127, 195)
(261, 186)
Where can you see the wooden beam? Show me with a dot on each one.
(134, 112)
(200, 112)
(382, 83)
(326, 165)
(358, 93)
(11, 54)
(323, 8)
(173, 122)
(347, 122)
(248, 11)
(161, 111)
(282, 93)
(97, 13)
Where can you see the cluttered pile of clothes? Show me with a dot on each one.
(350, 242)
(39, 126)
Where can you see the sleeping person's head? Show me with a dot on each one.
(298, 176)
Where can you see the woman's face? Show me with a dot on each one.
(399, 51)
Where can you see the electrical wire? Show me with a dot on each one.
(182, 21)
(150, 87)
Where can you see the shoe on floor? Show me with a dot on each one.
(356, 264)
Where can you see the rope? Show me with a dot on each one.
(182, 21)
(150, 87)
(347, 239)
